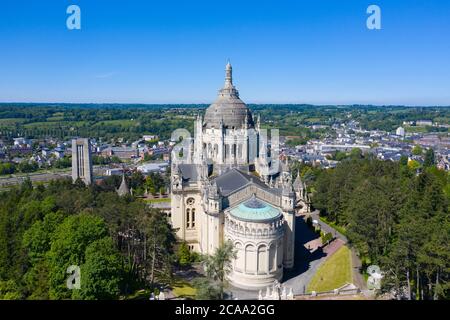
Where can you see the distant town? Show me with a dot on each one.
(46, 157)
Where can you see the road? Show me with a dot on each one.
(40, 176)
(9, 181)
(358, 279)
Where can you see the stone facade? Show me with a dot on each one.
(217, 193)
(81, 160)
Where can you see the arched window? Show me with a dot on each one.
(227, 151)
(188, 214)
(251, 259)
(193, 218)
(209, 151)
(262, 260)
(216, 150)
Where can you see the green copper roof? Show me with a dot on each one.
(255, 210)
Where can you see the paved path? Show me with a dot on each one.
(358, 279)
(327, 228)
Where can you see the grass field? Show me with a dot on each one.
(334, 272)
(415, 129)
(11, 122)
(183, 289)
(138, 295)
(121, 122)
(157, 200)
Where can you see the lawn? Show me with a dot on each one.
(335, 272)
(138, 295)
(157, 200)
(183, 289)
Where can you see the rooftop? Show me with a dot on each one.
(255, 210)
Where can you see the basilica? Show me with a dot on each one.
(233, 187)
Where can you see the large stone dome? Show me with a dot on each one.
(228, 110)
(255, 210)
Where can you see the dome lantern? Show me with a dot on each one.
(228, 107)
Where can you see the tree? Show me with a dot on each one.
(101, 273)
(27, 167)
(396, 219)
(159, 239)
(356, 153)
(7, 168)
(37, 242)
(45, 229)
(430, 159)
(417, 150)
(326, 238)
(218, 265)
(414, 165)
(68, 247)
(206, 290)
(9, 290)
(62, 163)
(137, 180)
(184, 255)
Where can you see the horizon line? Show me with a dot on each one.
(249, 103)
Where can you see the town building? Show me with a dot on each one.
(400, 132)
(81, 160)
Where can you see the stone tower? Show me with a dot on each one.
(81, 160)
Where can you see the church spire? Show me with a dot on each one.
(228, 75)
(123, 189)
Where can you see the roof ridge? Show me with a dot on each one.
(246, 176)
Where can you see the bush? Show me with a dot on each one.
(326, 237)
(195, 257)
(184, 256)
(7, 168)
(318, 231)
(206, 290)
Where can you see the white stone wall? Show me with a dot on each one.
(186, 215)
(259, 248)
(227, 146)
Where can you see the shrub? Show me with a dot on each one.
(326, 237)
(184, 255)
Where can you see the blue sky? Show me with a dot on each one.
(315, 51)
